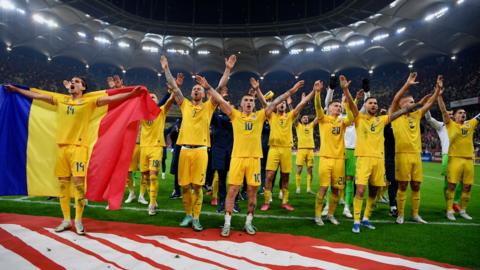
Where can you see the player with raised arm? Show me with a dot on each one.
(247, 149)
(280, 152)
(332, 155)
(305, 146)
(441, 129)
(74, 112)
(460, 156)
(408, 147)
(194, 139)
(152, 141)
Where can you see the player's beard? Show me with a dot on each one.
(197, 97)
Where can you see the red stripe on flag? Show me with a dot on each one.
(112, 153)
(168, 248)
(136, 254)
(30, 254)
(242, 258)
(77, 247)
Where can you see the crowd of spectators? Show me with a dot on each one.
(462, 80)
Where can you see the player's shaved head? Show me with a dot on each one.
(198, 93)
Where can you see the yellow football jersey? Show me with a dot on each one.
(370, 138)
(73, 119)
(152, 131)
(332, 132)
(247, 134)
(281, 129)
(195, 129)
(461, 138)
(406, 130)
(305, 135)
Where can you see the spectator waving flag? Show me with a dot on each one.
(28, 148)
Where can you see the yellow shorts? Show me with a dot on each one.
(304, 156)
(279, 156)
(332, 172)
(408, 166)
(370, 171)
(192, 166)
(460, 170)
(71, 161)
(241, 168)
(150, 158)
(135, 157)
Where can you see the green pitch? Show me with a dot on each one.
(450, 242)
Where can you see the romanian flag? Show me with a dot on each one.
(28, 150)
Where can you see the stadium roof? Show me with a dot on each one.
(342, 34)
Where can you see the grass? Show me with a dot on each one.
(441, 242)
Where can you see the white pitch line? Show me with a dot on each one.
(441, 179)
(262, 216)
(21, 198)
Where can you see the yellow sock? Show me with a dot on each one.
(130, 182)
(357, 208)
(79, 201)
(197, 200)
(309, 182)
(65, 199)
(187, 199)
(318, 205)
(285, 195)
(415, 201)
(215, 185)
(464, 198)
(298, 179)
(153, 189)
(401, 200)
(267, 196)
(332, 205)
(143, 184)
(369, 207)
(449, 199)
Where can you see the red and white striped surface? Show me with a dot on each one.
(28, 242)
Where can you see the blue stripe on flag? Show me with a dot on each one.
(14, 115)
